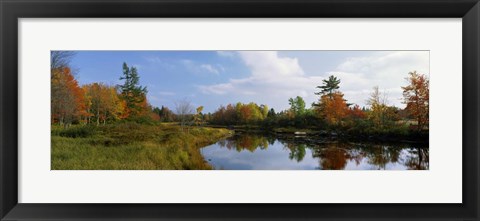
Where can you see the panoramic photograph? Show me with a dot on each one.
(239, 110)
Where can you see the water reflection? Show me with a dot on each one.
(261, 152)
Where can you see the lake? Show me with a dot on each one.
(266, 152)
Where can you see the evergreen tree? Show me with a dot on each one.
(271, 113)
(133, 94)
(329, 86)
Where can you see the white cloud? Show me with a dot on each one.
(210, 68)
(266, 64)
(158, 62)
(217, 88)
(274, 79)
(387, 70)
(154, 59)
(197, 68)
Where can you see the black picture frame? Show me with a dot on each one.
(11, 11)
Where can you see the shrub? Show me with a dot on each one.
(75, 131)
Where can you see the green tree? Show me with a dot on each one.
(329, 86)
(271, 113)
(297, 105)
(133, 94)
(165, 114)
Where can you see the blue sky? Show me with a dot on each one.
(214, 78)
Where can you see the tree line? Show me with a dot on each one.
(332, 110)
(95, 103)
(98, 103)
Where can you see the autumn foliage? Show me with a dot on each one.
(104, 103)
(240, 113)
(416, 96)
(333, 108)
(68, 99)
(333, 112)
(96, 103)
(356, 112)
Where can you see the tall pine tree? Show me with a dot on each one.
(329, 86)
(133, 93)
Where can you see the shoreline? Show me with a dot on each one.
(419, 138)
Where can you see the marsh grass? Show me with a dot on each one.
(132, 146)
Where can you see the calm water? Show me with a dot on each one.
(259, 152)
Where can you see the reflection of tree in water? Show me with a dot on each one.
(271, 140)
(336, 155)
(381, 155)
(248, 142)
(296, 147)
(412, 158)
(418, 159)
(357, 155)
(297, 151)
(333, 156)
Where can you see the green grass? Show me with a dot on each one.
(132, 146)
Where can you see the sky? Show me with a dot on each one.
(214, 78)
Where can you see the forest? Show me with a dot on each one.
(101, 126)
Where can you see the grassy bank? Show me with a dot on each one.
(131, 146)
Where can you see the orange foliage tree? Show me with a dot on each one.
(356, 113)
(67, 98)
(416, 96)
(333, 108)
